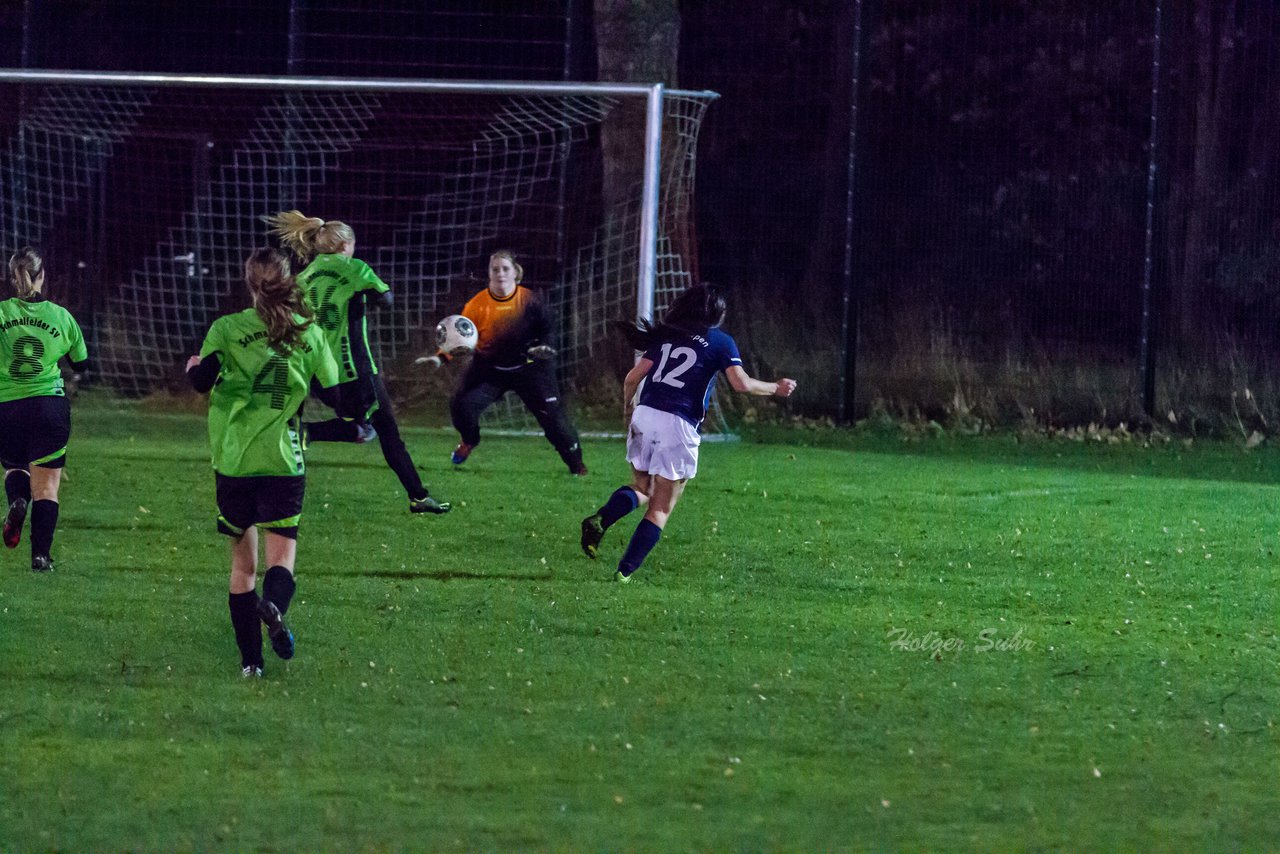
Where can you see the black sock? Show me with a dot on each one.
(247, 626)
(278, 586)
(44, 518)
(333, 430)
(17, 484)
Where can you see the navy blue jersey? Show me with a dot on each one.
(684, 372)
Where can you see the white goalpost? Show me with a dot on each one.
(146, 192)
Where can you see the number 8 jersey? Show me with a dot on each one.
(34, 335)
(255, 405)
(684, 373)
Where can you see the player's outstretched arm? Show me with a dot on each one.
(741, 381)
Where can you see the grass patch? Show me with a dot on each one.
(472, 681)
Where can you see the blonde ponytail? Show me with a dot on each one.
(309, 236)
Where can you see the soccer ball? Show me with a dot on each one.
(456, 334)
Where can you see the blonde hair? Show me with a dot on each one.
(309, 236)
(25, 267)
(510, 256)
(276, 297)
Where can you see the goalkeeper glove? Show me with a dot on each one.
(541, 352)
(433, 361)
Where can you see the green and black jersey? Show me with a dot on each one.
(336, 286)
(255, 405)
(34, 335)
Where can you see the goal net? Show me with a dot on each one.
(145, 196)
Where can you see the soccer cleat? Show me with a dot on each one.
(41, 563)
(592, 534)
(620, 578)
(427, 504)
(461, 453)
(365, 434)
(13, 522)
(579, 471)
(249, 671)
(281, 637)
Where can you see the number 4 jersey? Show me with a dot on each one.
(684, 373)
(255, 406)
(34, 335)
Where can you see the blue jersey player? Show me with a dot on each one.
(682, 356)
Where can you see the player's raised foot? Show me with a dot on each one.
(281, 637)
(427, 504)
(365, 434)
(13, 522)
(41, 563)
(592, 534)
(621, 578)
(461, 453)
(250, 671)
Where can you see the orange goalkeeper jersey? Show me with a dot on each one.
(507, 327)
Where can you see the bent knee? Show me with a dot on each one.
(657, 517)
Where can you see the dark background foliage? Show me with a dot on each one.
(1012, 246)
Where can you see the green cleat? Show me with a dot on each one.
(592, 534)
(620, 578)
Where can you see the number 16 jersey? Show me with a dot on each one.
(684, 373)
(255, 404)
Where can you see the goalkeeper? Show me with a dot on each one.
(513, 354)
(339, 287)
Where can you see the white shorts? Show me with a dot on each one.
(663, 444)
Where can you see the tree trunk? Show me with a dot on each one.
(1215, 73)
(637, 41)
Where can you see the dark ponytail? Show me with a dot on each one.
(696, 310)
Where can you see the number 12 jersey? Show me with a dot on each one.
(684, 373)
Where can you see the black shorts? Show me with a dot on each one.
(271, 502)
(34, 431)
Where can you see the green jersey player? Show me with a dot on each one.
(340, 287)
(35, 417)
(258, 365)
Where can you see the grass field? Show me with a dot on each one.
(946, 644)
